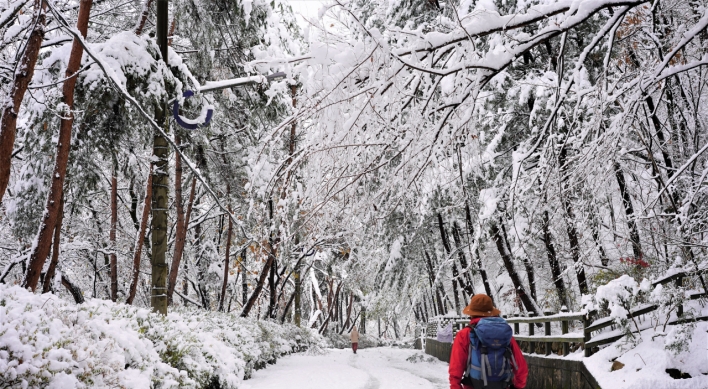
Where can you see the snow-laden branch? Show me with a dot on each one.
(119, 87)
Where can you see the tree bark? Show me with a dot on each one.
(187, 218)
(160, 182)
(46, 229)
(259, 287)
(226, 257)
(362, 323)
(349, 312)
(469, 287)
(140, 240)
(23, 77)
(143, 18)
(455, 274)
(570, 224)
(556, 272)
(272, 287)
(482, 271)
(629, 212)
(298, 295)
(180, 226)
(72, 288)
(509, 265)
(112, 234)
(51, 271)
(244, 279)
(431, 279)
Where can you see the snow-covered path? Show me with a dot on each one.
(374, 368)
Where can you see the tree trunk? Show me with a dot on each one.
(112, 234)
(660, 136)
(180, 226)
(469, 287)
(51, 213)
(226, 257)
(287, 308)
(160, 183)
(23, 76)
(298, 295)
(187, 218)
(531, 276)
(73, 289)
(509, 265)
(362, 324)
(431, 279)
(556, 272)
(51, 271)
(272, 287)
(244, 279)
(595, 230)
(629, 212)
(259, 286)
(140, 240)
(570, 224)
(143, 18)
(349, 312)
(455, 274)
(482, 271)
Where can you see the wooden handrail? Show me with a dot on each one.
(552, 318)
(568, 338)
(583, 337)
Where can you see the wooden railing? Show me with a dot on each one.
(539, 338)
(543, 344)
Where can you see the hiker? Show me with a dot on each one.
(496, 361)
(354, 336)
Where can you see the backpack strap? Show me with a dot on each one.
(511, 358)
(469, 354)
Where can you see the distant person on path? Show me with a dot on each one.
(496, 361)
(354, 336)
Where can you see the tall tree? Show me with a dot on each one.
(22, 77)
(140, 239)
(53, 206)
(160, 182)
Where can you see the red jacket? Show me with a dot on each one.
(460, 353)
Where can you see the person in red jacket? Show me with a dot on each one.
(480, 306)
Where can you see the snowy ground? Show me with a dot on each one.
(381, 367)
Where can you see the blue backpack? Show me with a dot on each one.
(491, 362)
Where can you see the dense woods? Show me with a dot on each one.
(414, 153)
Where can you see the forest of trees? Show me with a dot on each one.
(415, 153)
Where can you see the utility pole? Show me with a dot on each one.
(160, 182)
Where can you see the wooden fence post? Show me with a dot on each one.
(532, 330)
(679, 309)
(547, 332)
(586, 335)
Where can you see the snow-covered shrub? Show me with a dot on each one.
(46, 341)
(619, 296)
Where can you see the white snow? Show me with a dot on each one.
(382, 367)
(646, 364)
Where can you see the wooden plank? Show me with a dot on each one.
(595, 343)
(558, 338)
(543, 319)
(682, 274)
(608, 321)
